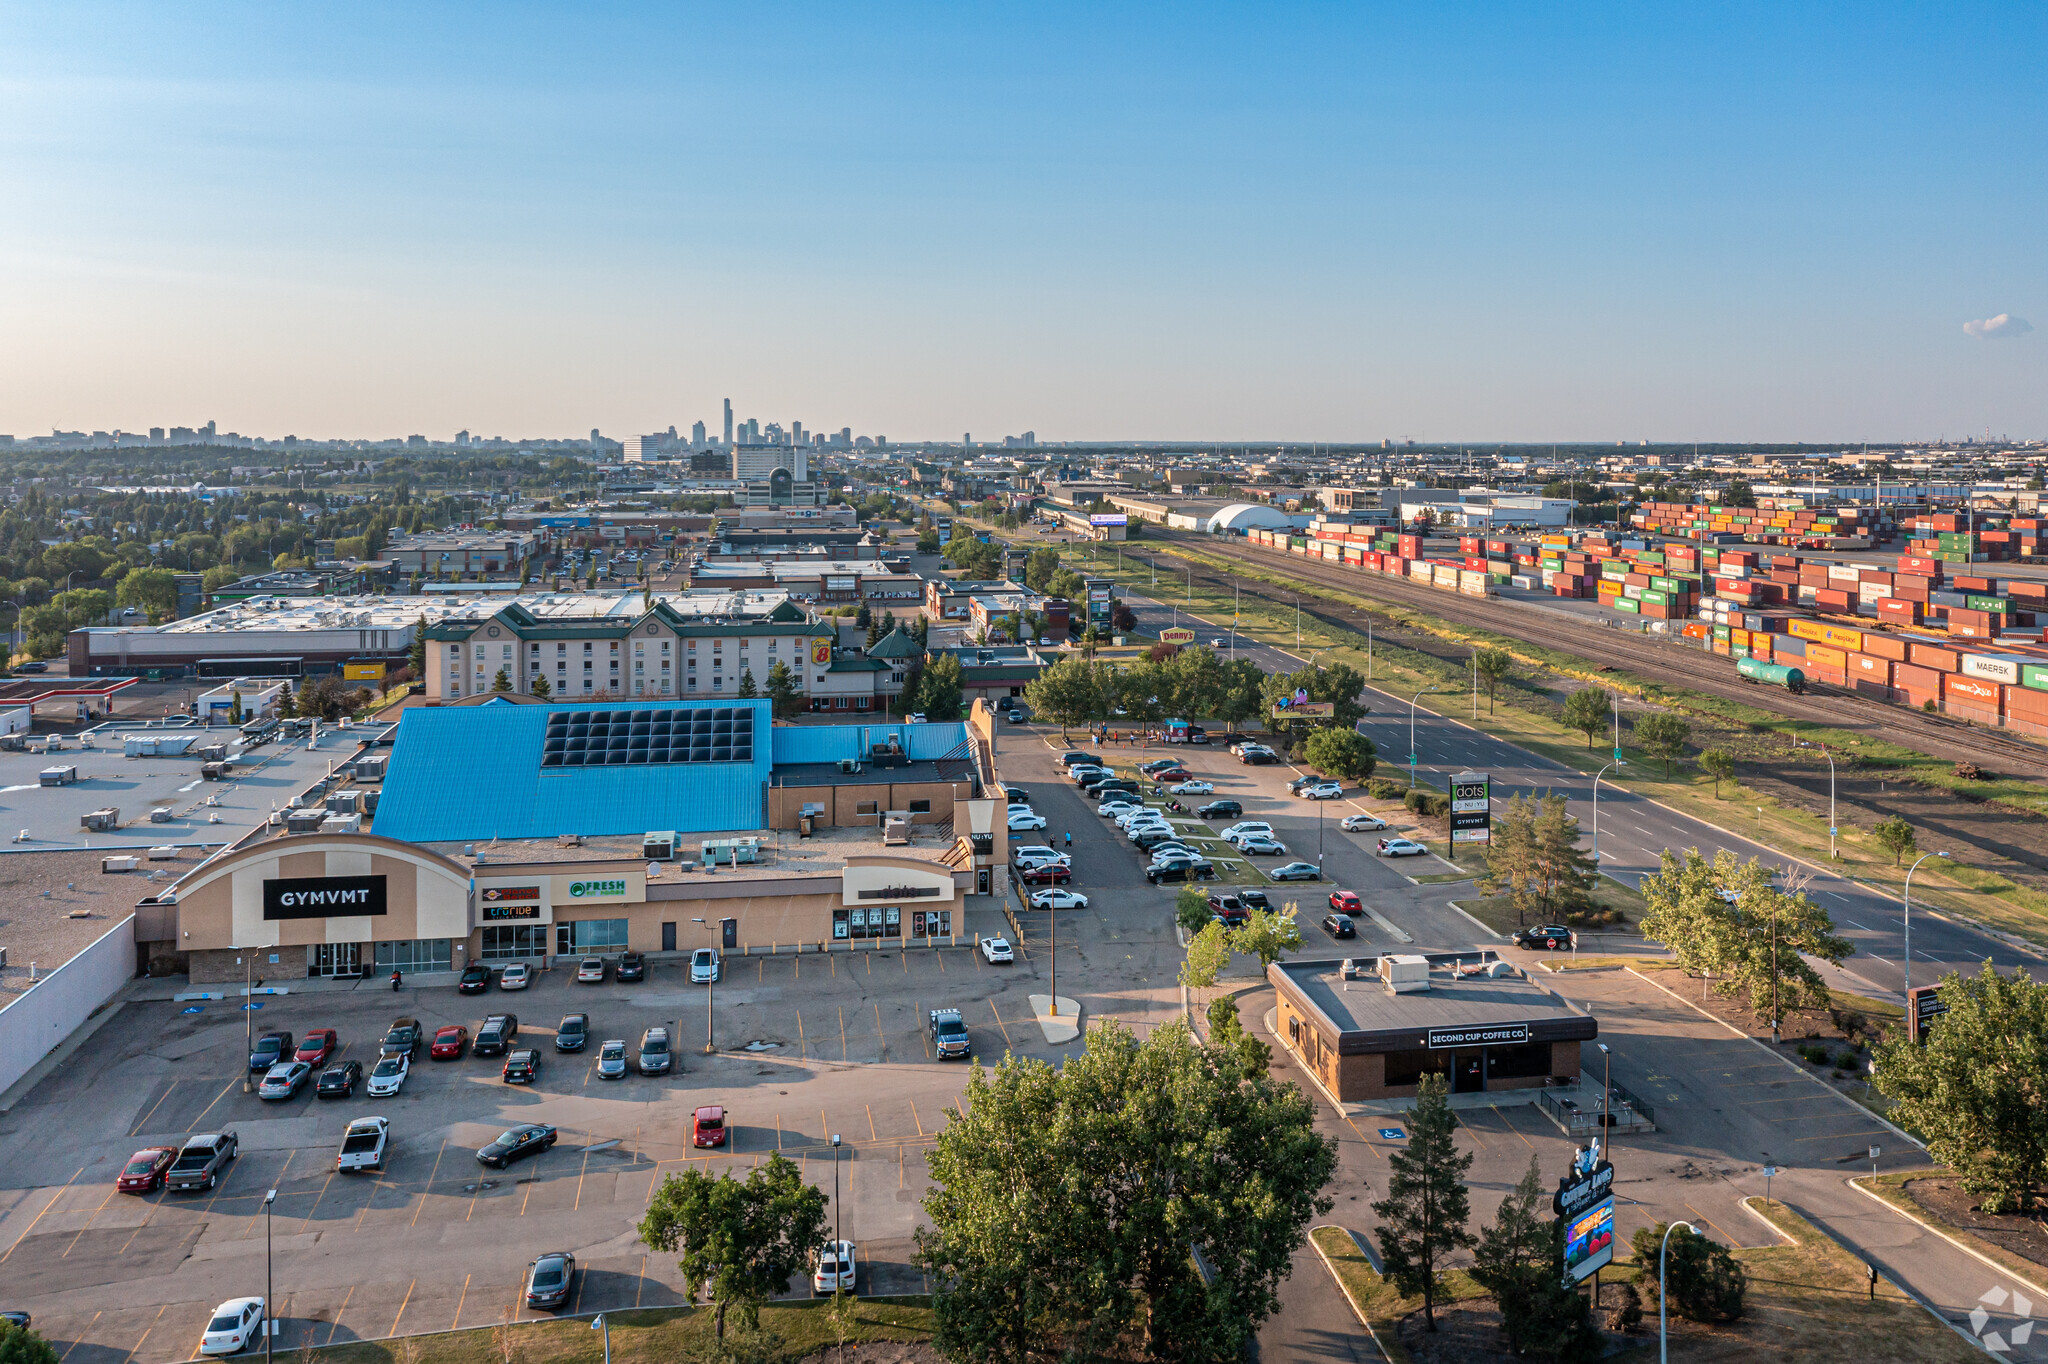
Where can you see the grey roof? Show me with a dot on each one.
(1367, 1017)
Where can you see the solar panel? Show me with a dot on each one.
(643, 737)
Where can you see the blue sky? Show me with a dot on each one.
(1513, 222)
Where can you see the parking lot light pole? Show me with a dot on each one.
(837, 1231)
(1607, 1096)
(269, 1321)
(710, 999)
(248, 1017)
(601, 1325)
(1909, 917)
(1663, 1330)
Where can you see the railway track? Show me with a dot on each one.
(1651, 657)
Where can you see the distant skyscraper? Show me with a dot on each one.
(728, 423)
(697, 436)
(796, 433)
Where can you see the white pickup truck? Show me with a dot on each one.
(363, 1145)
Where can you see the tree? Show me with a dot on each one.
(1191, 910)
(1739, 494)
(1208, 954)
(19, 1345)
(1719, 764)
(1663, 735)
(1495, 667)
(1065, 1201)
(928, 540)
(1702, 1279)
(1564, 874)
(416, 654)
(1039, 568)
(1896, 837)
(287, 703)
(1344, 754)
(1520, 1260)
(1423, 1216)
(1070, 692)
(503, 681)
(741, 1239)
(1121, 617)
(83, 606)
(1756, 942)
(939, 690)
(1976, 1087)
(784, 691)
(541, 688)
(1586, 710)
(1511, 858)
(154, 590)
(1267, 935)
(747, 688)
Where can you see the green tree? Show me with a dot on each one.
(1896, 837)
(1208, 954)
(1520, 1260)
(1266, 934)
(1977, 1086)
(83, 606)
(747, 688)
(1663, 735)
(1754, 937)
(928, 541)
(1719, 764)
(154, 590)
(503, 681)
(1702, 1279)
(1495, 667)
(287, 702)
(541, 688)
(1191, 910)
(219, 576)
(1511, 859)
(1242, 696)
(416, 653)
(19, 1345)
(1739, 494)
(1344, 754)
(1423, 1216)
(1564, 874)
(785, 692)
(1040, 567)
(741, 1240)
(1064, 1201)
(1071, 692)
(863, 618)
(939, 690)
(1586, 710)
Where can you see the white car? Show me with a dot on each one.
(517, 976)
(387, 1075)
(1322, 790)
(1401, 847)
(838, 1263)
(233, 1326)
(704, 966)
(1058, 899)
(1023, 819)
(1362, 823)
(1193, 788)
(1139, 814)
(1116, 807)
(1246, 826)
(995, 950)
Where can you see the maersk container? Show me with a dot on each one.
(1772, 674)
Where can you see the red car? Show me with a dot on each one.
(1053, 874)
(708, 1129)
(449, 1042)
(317, 1047)
(1346, 902)
(145, 1170)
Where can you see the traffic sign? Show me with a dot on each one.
(1617, 754)
(1770, 1170)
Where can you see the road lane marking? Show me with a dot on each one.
(196, 1122)
(88, 1221)
(639, 1287)
(842, 1032)
(915, 1119)
(579, 1179)
(39, 1216)
(999, 1022)
(871, 1123)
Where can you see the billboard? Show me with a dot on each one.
(1471, 808)
(1176, 636)
(1109, 519)
(362, 672)
(1589, 1241)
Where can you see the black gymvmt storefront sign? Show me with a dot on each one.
(323, 897)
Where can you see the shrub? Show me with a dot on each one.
(1385, 788)
(1702, 1278)
(1627, 1314)
(1191, 909)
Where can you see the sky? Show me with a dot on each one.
(1342, 222)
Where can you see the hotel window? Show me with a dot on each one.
(586, 646)
(664, 684)
(664, 665)
(560, 649)
(638, 667)
(693, 681)
(507, 653)
(920, 807)
(664, 648)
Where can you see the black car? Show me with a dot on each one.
(1074, 757)
(31, 667)
(1545, 938)
(402, 1040)
(494, 1038)
(1337, 926)
(632, 966)
(1221, 809)
(339, 1080)
(549, 1279)
(476, 978)
(522, 1067)
(1254, 899)
(1181, 869)
(1017, 795)
(528, 1139)
(16, 1318)
(573, 1032)
(272, 1048)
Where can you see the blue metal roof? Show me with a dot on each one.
(830, 743)
(474, 773)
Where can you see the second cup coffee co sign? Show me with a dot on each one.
(1471, 808)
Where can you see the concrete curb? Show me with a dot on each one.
(1789, 1064)
(1856, 1182)
(1497, 937)
(1338, 1280)
(1929, 1308)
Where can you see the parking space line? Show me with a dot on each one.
(257, 1216)
(1710, 1222)
(880, 1036)
(198, 1121)
(579, 1179)
(842, 1032)
(146, 1330)
(871, 1123)
(999, 1022)
(407, 1302)
(335, 1325)
(802, 1047)
(832, 964)
(143, 1121)
(639, 1287)
(914, 1118)
(430, 1183)
(88, 1221)
(88, 1327)
(1514, 1129)
(308, 1223)
(453, 1325)
(39, 1216)
(533, 1176)
(778, 1131)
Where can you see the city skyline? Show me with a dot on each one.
(1240, 226)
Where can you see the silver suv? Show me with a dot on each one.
(656, 1057)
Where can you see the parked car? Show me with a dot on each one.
(1175, 773)
(364, 1145)
(339, 1080)
(1258, 845)
(705, 966)
(1322, 790)
(707, 1126)
(516, 1143)
(1361, 823)
(1257, 757)
(838, 1265)
(1181, 869)
(549, 1280)
(475, 979)
(1058, 899)
(145, 1170)
(949, 1035)
(1337, 926)
(1047, 874)
(632, 966)
(1074, 755)
(1401, 847)
(1174, 847)
(522, 1067)
(611, 1060)
(495, 1037)
(516, 976)
(1110, 809)
(1245, 827)
(318, 1046)
(1296, 871)
(1346, 902)
(1023, 819)
(232, 1327)
(1149, 836)
(997, 951)
(403, 1039)
(573, 1032)
(655, 1057)
(1017, 795)
(200, 1161)
(283, 1081)
(387, 1077)
(449, 1043)
(1229, 910)
(1544, 938)
(1220, 809)
(1191, 788)
(590, 971)
(271, 1048)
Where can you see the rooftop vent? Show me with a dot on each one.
(1405, 974)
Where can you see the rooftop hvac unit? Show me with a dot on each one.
(164, 852)
(1405, 974)
(344, 824)
(101, 820)
(160, 815)
(114, 864)
(304, 821)
(658, 846)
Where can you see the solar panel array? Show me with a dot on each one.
(617, 738)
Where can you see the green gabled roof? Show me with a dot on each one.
(895, 644)
(785, 610)
(858, 665)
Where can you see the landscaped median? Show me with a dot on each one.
(1941, 1205)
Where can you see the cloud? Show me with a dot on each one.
(1993, 328)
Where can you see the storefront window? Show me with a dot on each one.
(931, 923)
(504, 942)
(590, 935)
(416, 954)
(867, 921)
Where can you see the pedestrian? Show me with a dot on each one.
(1070, 842)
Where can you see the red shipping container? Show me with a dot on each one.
(1828, 599)
(2028, 702)
(1916, 685)
(1884, 646)
(1973, 584)
(2027, 591)
(1899, 610)
(1934, 656)
(1870, 676)
(1974, 699)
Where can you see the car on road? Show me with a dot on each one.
(339, 1080)
(318, 1046)
(949, 1035)
(1216, 643)
(705, 966)
(233, 1327)
(32, 667)
(1243, 828)
(1058, 899)
(1401, 847)
(402, 1039)
(1544, 938)
(611, 1060)
(655, 1056)
(1296, 871)
(270, 1049)
(838, 1265)
(200, 1161)
(522, 1067)
(516, 976)
(494, 1038)
(1337, 926)
(1024, 819)
(549, 1280)
(632, 966)
(590, 971)
(1047, 874)
(996, 951)
(449, 1043)
(516, 1143)
(1192, 788)
(476, 978)
(1346, 902)
(364, 1145)
(1260, 845)
(1361, 823)
(146, 1169)
(387, 1077)
(1220, 809)
(1180, 868)
(573, 1032)
(1322, 790)
(707, 1126)
(283, 1081)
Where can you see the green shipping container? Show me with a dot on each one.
(1720, 632)
(1654, 597)
(1997, 606)
(1626, 604)
(2034, 675)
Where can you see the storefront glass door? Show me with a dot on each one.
(337, 959)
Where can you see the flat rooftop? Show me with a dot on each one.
(782, 854)
(904, 773)
(59, 903)
(1370, 1017)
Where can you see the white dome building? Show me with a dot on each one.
(1240, 517)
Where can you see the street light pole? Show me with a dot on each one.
(1831, 796)
(710, 1000)
(1663, 1330)
(837, 1235)
(1909, 918)
(269, 1318)
(1426, 691)
(1596, 805)
(248, 1015)
(601, 1325)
